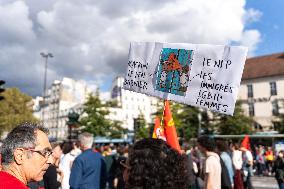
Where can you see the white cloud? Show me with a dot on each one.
(252, 15)
(90, 39)
(251, 38)
(15, 26)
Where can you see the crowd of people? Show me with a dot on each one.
(29, 160)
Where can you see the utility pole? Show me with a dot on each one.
(45, 56)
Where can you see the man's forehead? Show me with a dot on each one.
(42, 140)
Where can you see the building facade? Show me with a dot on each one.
(130, 105)
(61, 98)
(262, 90)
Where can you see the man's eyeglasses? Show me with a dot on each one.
(46, 153)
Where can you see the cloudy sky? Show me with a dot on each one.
(90, 38)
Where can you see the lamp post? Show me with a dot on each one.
(45, 56)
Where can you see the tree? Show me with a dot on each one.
(237, 124)
(95, 120)
(15, 109)
(186, 120)
(141, 128)
(116, 130)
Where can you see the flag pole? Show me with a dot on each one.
(162, 120)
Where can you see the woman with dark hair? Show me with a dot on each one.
(153, 164)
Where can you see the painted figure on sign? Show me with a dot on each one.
(172, 64)
(173, 71)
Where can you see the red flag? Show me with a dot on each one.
(245, 143)
(158, 130)
(170, 129)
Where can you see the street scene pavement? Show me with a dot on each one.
(264, 183)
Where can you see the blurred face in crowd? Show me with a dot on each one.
(280, 154)
(36, 161)
(201, 149)
(57, 152)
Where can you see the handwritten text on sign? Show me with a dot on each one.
(206, 76)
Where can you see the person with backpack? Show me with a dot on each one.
(212, 169)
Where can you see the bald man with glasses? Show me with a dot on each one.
(26, 155)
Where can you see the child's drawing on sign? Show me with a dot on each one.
(173, 71)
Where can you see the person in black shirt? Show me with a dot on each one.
(50, 178)
(279, 169)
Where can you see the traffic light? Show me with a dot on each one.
(2, 89)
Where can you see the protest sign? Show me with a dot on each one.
(206, 76)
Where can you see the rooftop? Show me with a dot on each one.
(264, 66)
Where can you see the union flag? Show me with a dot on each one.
(169, 128)
(246, 143)
(158, 130)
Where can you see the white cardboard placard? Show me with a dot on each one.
(206, 76)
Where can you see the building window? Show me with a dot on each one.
(250, 91)
(275, 108)
(251, 108)
(273, 90)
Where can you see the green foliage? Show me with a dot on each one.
(141, 127)
(186, 121)
(185, 118)
(95, 120)
(112, 103)
(237, 124)
(116, 131)
(14, 109)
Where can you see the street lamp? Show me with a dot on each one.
(45, 56)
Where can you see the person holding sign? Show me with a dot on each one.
(153, 164)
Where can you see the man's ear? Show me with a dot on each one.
(19, 156)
